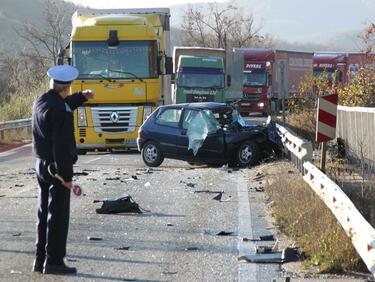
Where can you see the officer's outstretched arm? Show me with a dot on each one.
(75, 100)
(62, 133)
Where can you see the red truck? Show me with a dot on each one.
(270, 75)
(344, 66)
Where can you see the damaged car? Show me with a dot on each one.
(207, 132)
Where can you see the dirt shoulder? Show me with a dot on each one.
(302, 220)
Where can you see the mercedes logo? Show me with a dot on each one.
(114, 117)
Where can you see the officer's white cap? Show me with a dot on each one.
(63, 74)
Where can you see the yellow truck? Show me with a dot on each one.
(124, 56)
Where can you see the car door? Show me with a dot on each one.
(167, 129)
(213, 145)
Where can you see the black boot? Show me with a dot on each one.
(38, 265)
(58, 269)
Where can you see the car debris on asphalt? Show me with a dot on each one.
(120, 204)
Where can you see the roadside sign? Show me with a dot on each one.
(326, 118)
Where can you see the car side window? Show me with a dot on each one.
(169, 117)
(188, 117)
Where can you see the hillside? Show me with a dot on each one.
(15, 12)
(295, 24)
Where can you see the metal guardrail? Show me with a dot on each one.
(356, 126)
(361, 233)
(10, 130)
(299, 150)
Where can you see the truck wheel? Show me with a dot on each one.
(151, 154)
(247, 154)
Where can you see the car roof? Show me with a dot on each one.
(200, 105)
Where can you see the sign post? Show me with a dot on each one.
(326, 123)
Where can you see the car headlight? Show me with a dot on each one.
(82, 121)
(146, 112)
(261, 105)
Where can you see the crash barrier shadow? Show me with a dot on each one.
(361, 233)
(15, 130)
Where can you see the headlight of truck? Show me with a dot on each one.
(82, 121)
(261, 105)
(146, 112)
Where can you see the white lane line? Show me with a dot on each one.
(246, 271)
(90, 161)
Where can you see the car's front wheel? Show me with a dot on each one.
(152, 154)
(247, 154)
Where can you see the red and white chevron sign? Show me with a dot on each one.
(326, 118)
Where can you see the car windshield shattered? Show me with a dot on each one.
(205, 122)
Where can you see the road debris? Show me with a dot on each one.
(270, 256)
(191, 249)
(170, 224)
(17, 234)
(113, 178)
(169, 272)
(224, 233)
(208, 191)
(15, 272)
(218, 197)
(91, 238)
(83, 173)
(124, 248)
(120, 204)
(259, 189)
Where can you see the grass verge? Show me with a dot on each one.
(301, 215)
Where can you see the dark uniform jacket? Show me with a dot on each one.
(53, 130)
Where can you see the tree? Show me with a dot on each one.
(368, 37)
(45, 43)
(221, 26)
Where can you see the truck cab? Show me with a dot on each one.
(258, 64)
(124, 57)
(199, 79)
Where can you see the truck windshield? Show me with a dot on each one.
(127, 60)
(255, 78)
(201, 80)
(325, 74)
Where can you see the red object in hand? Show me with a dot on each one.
(77, 190)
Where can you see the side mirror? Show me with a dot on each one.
(269, 78)
(168, 65)
(229, 80)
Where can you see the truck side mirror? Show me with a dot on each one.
(269, 78)
(229, 80)
(168, 65)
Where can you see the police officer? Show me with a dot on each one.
(54, 147)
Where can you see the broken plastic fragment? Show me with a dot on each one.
(94, 238)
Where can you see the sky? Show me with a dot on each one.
(100, 4)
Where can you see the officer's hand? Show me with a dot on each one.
(88, 93)
(68, 185)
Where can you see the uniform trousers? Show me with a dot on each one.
(52, 216)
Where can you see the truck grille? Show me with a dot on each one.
(114, 119)
(252, 96)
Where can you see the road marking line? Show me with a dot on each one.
(93, 160)
(246, 271)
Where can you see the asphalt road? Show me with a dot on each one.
(173, 241)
